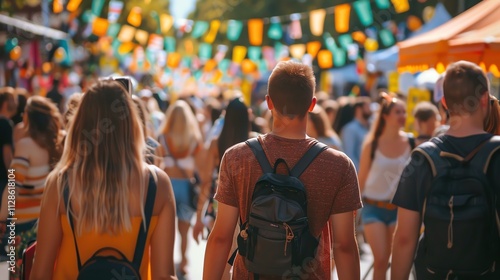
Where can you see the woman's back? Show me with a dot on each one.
(91, 241)
(32, 168)
(103, 174)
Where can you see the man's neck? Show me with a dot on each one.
(464, 126)
(290, 128)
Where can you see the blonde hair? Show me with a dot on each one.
(180, 129)
(103, 156)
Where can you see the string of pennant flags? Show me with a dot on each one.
(142, 48)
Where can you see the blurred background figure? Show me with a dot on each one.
(385, 151)
(354, 132)
(183, 154)
(319, 127)
(8, 109)
(427, 120)
(35, 156)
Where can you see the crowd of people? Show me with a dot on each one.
(87, 160)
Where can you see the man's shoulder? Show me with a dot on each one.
(239, 151)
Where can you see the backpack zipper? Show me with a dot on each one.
(289, 236)
(450, 225)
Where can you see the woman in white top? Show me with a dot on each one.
(384, 154)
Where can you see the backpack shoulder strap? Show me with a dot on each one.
(431, 151)
(307, 158)
(259, 153)
(484, 155)
(67, 204)
(148, 212)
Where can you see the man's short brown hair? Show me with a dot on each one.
(291, 88)
(464, 84)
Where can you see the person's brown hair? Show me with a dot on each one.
(8, 94)
(291, 88)
(44, 126)
(387, 102)
(73, 103)
(464, 84)
(492, 124)
(424, 111)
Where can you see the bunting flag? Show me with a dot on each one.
(155, 42)
(330, 42)
(255, 30)
(339, 57)
(313, 48)
(359, 37)
(141, 36)
(200, 27)
(345, 41)
(294, 29)
(371, 45)
(205, 51)
(342, 17)
(97, 7)
(212, 33)
(317, 21)
(100, 26)
(254, 53)
(386, 37)
(234, 28)
(170, 44)
(224, 65)
(297, 51)
(166, 22)
(382, 4)
(73, 5)
(401, 6)
(173, 60)
(268, 54)
(275, 31)
(189, 47)
(135, 17)
(114, 11)
(364, 11)
(57, 6)
(126, 33)
(239, 53)
(221, 52)
(113, 30)
(325, 59)
(126, 48)
(413, 23)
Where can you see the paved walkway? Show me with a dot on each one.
(196, 254)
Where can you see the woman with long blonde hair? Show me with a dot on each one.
(100, 186)
(383, 156)
(182, 147)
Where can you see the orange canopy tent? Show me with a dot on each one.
(480, 46)
(431, 49)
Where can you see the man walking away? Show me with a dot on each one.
(451, 185)
(330, 182)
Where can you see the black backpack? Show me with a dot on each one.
(461, 235)
(109, 263)
(276, 237)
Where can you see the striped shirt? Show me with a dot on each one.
(30, 183)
